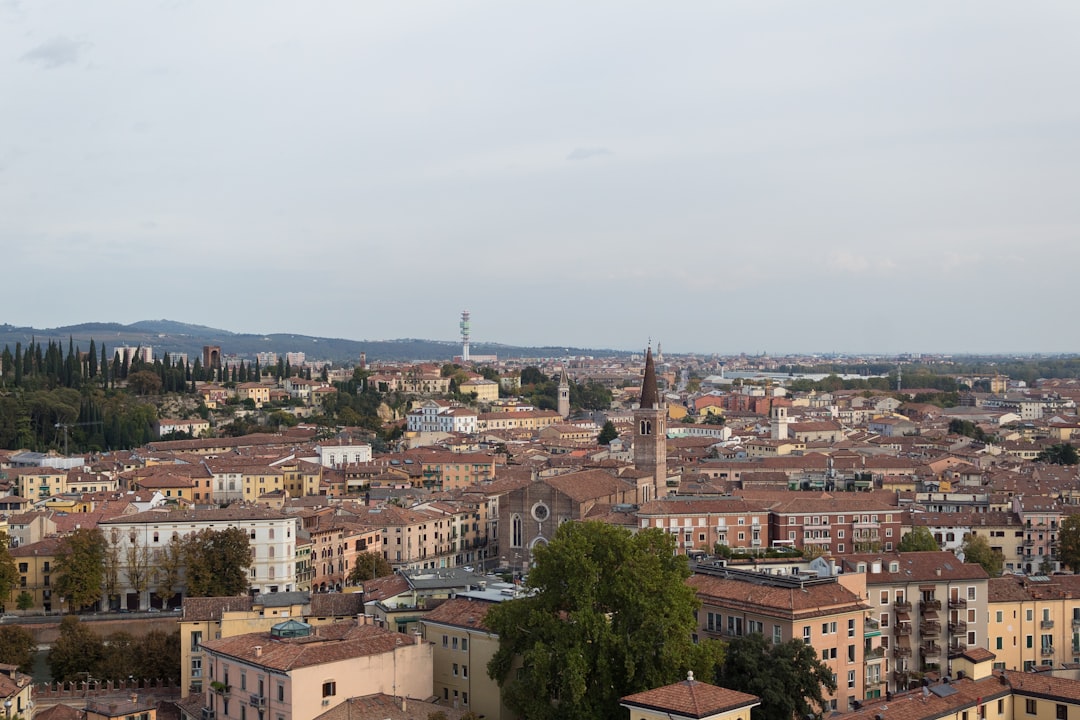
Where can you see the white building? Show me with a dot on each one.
(342, 454)
(271, 534)
(434, 416)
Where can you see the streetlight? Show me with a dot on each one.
(7, 708)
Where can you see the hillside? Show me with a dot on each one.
(172, 336)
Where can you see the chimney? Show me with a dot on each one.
(134, 698)
(258, 651)
(403, 704)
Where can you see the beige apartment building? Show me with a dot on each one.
(930, 608)
(1034, 621)
(225, 617)
(819, 611)
(297, 671)
(699, 524)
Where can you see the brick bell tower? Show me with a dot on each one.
(650, 430)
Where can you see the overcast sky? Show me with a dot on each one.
(717, 176)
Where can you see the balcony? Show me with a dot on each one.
(930, 627)
(257, 701)
(873, 680)
(871, 624)
(957, 649)
(957, 603)
(1076, 623)
(902, 629)
(902, 606)
(1046, 624)
(902, 651)
(1047, 651)
(874, 654)
(930, 605)
(901, 678)
(958, 627)
(930, 649)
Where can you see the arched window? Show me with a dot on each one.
(645, 428)
(516, 531)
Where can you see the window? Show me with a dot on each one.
(196, 638)
(196, 667)
(884, 597)
(281, 692)
(851, 653)
(1030, 706)
(998, 643)
(777, 635)
(243, 681)
(329, 689)
(997, 617)
(453, 643)
(465, 644)
(851, 627)
(464, 671)
(464, 698)
(445, 641)
(851, 678)
(1061, 712)
(23, 567)
(1001, 705)
(454, 671)
(806, 634)
(971, 592)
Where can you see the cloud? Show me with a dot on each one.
(56, 52)
(586, 153)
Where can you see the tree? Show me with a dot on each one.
(137, 566)
(111, 569)
(9, 574)
(80, 567)
(24, 601)
(1060, 454)
(918, 540)
(168, 561)
(77, 650)
(1069, 542)
(788, 677)
(607, 433)
(977, 550)
(17, 646)
(369, 566)
(217, 562)
(610, 615)
(158, 655)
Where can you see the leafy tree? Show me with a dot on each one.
(9, 574)
(610, 615)
(157, 655)
(918, 540)
(137, 566)
(217, 562)
(76, 650)
(17, 646)
(1069, 542)
(168, 562)
(369, 566)
(80, 567)
(1060, 454)
(24, 601)
(788, 677)
(607, 433)
(977, 550)
(118, 659)
(144, 382)
(111, 569)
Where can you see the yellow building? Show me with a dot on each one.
(34, 563)
(257, 480)
(214, 618)
(1034, 621)
(462, 647)
(16, 692)
(486, 390)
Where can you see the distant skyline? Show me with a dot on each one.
(718, 177)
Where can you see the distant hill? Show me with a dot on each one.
(171, 336)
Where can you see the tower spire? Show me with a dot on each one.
(650, 393)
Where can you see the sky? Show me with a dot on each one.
(718, 177)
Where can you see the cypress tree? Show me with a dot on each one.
(18, 364)
(92, 360)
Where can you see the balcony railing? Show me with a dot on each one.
(957, 602)
(930, 605)
(930, 650)
(958, 627)
(871, 624)
(930, 627)
(957, 649)
(874, 654)
(1047, 650)
(902, 629)
(901, 678)
(1046, 624)
(902, 651)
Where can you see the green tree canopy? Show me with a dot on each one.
(17, 646)
(217, 562)
(1069, 542)
(1060, 454)
(9, 575)
(80, 567)
(607, 433)
(918, 540)
(76, 650)
(610, 615)
(977, 550)
(788, 677)
(369, 566)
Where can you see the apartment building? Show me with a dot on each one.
(819, 611)
(701, 523)
(930, 608)
(1034, 621)
(223, 617)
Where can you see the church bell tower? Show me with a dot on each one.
(650, 431)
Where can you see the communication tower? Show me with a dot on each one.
(465, 326)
